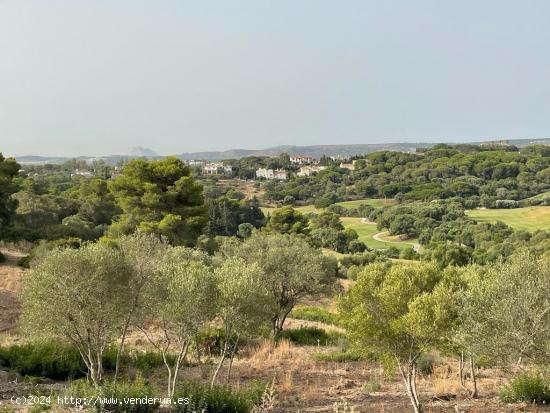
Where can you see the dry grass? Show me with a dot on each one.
(269, 355)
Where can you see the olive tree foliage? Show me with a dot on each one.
(398, 312)
(182, 300)
(79, 295)
(143, 254)
(243, 304)
(292, 269)
(505, 310)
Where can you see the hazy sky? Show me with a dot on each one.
(99, 77)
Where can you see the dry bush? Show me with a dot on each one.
(444, 387)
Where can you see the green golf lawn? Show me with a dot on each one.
(374, 202)
(366, 230)
(528, 219)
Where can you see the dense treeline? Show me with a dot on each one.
(476, 176)
(433, 189)
(161, 234)
(450, 237)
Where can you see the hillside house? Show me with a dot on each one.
(279, 174)
(193, 162)
(217, 168)
(310, 170)
(85, 174)
(302, 160)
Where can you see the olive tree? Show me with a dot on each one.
(506, 310)
(143, 254)
(244, 304)
(79, 295)
(182, 300)
(399, 311)
(292, 269)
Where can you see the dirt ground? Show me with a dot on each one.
(244, 186)
(10, 285)
(303, 384)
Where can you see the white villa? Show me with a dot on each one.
(302, 160)
(217, 168)
(85, 174)
(279, 174)
(310, 170)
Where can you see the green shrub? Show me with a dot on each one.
(2, 257)
(425, 364)
(312, 313)
(110, 398)
(219, 399)
(372, 386)
(25, 261)
(144, 362)
(527, 387)
(60, 361)
(210, 341)
(46, 359)
(311, 336)
(339, 356)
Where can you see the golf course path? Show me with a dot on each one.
(377, 236)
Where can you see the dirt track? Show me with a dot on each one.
(10, 286)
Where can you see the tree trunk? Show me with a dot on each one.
(181, 356)
(461, 368)
(231, 359)
(279, 322)
(99, 356)
(169, 389)
(473, 394)
(413, 386)
(409, 378)
(93, 374)
(198, 350)
(222, 359)
(121, 348)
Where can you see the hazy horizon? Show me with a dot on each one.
(99, 78)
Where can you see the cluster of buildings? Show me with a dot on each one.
(79, 172)
(217, 168)
(302, 160)
(308, 167)
(278, 174)
(310, 170)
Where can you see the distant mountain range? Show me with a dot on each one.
(315, 151)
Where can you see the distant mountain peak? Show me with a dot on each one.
(141, 152)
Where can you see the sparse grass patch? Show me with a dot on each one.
(312, 336)
(312, 313)
(373, 385)
(340, 356)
